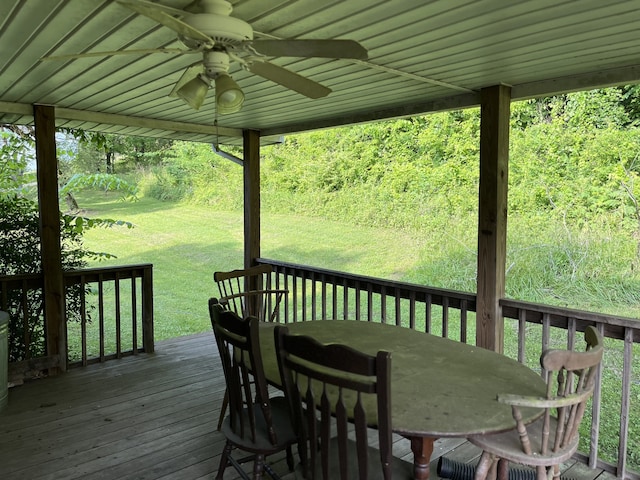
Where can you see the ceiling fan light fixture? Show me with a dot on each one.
(229, 96)
(194, 91)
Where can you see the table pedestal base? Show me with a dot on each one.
(422, 448)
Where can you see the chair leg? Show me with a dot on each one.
(258, 467)
(223, 408)
(484, 465)
(290, 458)
(224, 460)
(503, 469)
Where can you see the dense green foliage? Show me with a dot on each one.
(20, 254)
(20, 234)
(574, 221)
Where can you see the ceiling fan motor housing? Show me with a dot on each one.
(215, 62)
(217, 24)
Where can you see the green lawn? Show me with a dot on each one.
(187, 243)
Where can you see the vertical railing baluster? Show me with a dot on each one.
(83, 321)
(427, 313)
(118, 317)
(25, 320)
(101, 315)
(625, 406)
(357, 299)
(412, 310)
(383, 305)
(522, 335)
(303, 282)
(314, 296)
(334, 300)
(134, 314)
(463, 321)
(324, 297)
(3, 297)
(147, 310)
(294, 282)
(345, 300)
(546, 331)
(571, 333)
(290, 296)
(369, 304)
(445, 317)
(398, 307)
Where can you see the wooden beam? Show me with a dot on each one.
(492, 215)
(50, 250)
(251, 176)
(456, 102)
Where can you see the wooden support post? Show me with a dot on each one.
(251, 175)
(492, 215)
(147, 310)
(50, 251)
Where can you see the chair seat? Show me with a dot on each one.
(507, 445)
(400, 469)
(262, 444)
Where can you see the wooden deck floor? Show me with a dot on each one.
(147, 417)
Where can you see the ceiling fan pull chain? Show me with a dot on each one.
(215, 124)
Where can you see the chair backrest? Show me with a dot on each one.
(570, 378)
(239, 348)
(250, 291)
(325, 380)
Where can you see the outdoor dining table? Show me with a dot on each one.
(439, 387)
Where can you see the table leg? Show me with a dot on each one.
(422, 448)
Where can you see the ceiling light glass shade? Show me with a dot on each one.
(229, 97)
(194, 91)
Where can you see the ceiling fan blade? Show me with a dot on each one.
(143, 51)
(311, 48)
(151, 10)
(289, 79)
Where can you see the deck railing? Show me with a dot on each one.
(610, 441)
(112, 316)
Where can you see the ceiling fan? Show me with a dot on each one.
(209, 29)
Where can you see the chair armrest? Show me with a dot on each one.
(242, 296)
(251, 293)
(541, 402)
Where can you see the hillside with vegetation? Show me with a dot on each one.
(394, 199)
(574, 219)
(573, 212)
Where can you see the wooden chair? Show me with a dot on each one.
(552, 439)
(256, 423)
(249, 292)
(321, 381)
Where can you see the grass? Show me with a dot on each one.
(187, 243)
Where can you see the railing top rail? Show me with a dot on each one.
(404, 289)
(98, 270)
(83, 271)
(614, 325)
(106, 273)
(20, 277)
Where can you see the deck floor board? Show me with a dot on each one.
(145, 417)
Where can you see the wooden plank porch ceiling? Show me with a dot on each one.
(151, 416)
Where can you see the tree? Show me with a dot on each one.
(20, 242)
(16, 153)
(98, 153)
(20, 254)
